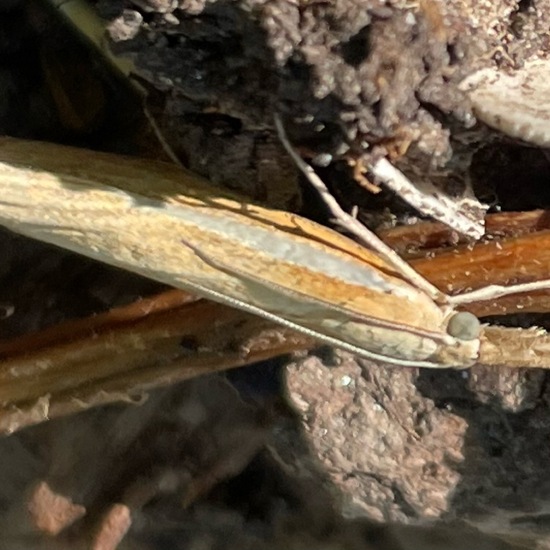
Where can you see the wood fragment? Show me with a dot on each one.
(52, 512)
(114, 357)
(114, 526)
(90, 27)
(515, 103)
(464, 215)
(515, 347)
(517, 253)
(412, 241)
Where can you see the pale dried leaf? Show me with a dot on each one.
(517, 103)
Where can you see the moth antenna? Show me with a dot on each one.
(353, 226)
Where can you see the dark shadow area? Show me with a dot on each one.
(503, 474)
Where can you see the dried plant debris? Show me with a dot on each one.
(516, 102)
(356, 80)
(463, 214)
(50, 512)
(92, 477)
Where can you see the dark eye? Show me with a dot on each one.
(464, 326)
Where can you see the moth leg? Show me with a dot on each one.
(492, 292)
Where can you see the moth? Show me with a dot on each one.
(172, 226)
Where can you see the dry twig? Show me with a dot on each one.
(115, 357)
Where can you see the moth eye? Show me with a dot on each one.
(464, 326)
